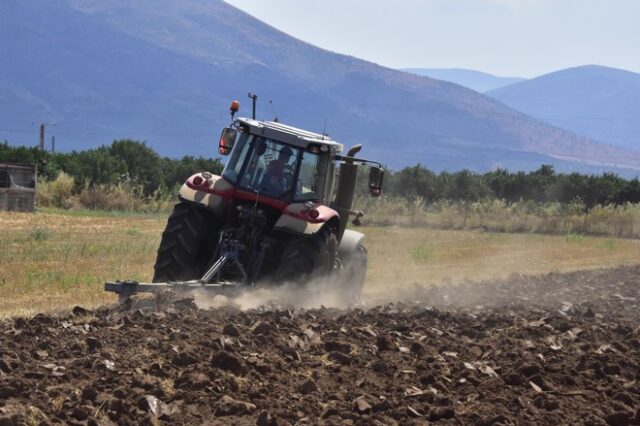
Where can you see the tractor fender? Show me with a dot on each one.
(349, 243)
(297, 218)
(206, 189)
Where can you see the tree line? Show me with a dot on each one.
(541, 185)
(136, 163)
(124, 161)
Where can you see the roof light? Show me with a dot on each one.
(235, 106)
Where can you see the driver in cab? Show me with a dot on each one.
(277, 176)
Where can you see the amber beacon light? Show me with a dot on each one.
(235, 106)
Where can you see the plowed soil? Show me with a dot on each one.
(552, 349)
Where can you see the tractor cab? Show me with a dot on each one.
(277, 161)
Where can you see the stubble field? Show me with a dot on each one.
(54, 260)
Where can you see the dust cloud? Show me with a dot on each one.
(310, 295)
(483, 270)
(468, 269)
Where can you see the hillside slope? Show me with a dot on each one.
(164, 71)
(594, 101)
(472, 79)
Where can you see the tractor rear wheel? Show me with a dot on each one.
(306, 258)
(352, 275)
(187, 244)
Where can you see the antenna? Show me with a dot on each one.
(254, 98)
(324, 130)
(273, 109)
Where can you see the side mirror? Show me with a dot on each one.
(376, 175)
(227, 140)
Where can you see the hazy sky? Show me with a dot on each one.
(521, 38)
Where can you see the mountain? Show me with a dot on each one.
(165, 71)
(594, 101)
(474, 80)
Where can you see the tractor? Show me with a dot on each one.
(277, 214)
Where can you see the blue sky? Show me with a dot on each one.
(523, 38)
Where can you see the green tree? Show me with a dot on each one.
(177, 171)
(143, 166)
(468, 186)
(416, 181)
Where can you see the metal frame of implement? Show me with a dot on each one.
(126, 289)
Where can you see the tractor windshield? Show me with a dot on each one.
(263, 165)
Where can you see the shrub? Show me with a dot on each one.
(55, 193)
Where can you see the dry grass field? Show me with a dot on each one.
(400, 257)
(53, 260)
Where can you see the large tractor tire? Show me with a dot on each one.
(306, 258)
(187, 244)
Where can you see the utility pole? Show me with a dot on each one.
(53, 144)
(42, 126)
(254, 98)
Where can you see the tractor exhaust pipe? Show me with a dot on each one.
(346, 189)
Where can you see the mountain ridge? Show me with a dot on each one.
(599, 102)
(118, 79)
(473, 79)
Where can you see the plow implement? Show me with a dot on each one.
(126, 289)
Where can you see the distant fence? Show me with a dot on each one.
(17, 187)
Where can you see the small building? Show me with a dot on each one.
(17, 187)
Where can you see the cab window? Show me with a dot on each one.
(307, 186)
(234, 166)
